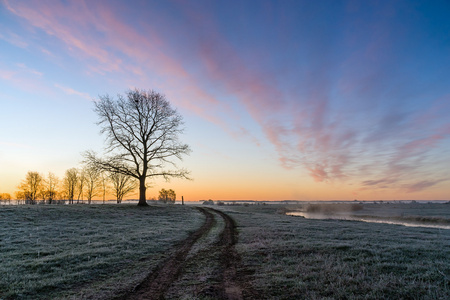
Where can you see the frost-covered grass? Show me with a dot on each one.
(296, 258)
(74, 251)
(95, 252)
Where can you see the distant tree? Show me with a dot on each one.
(142, 137)
(6, 197)
(104, 184)
(31, 187)
(50, 184)
(122, 185)
(208, 202)
(61, 196)
(93, 182)
(81, 180)
(20, 196)
(70, 184)
(167, 196)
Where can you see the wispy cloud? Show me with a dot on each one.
(30, 70)
(6, 74)
(421, 185)
(12, 38)
(25, 78)
(87, 33)
(71, 91)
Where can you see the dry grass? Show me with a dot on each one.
(82, 251)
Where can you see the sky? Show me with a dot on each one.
(282, 100)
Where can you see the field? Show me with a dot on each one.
(85, 251)
(235, 252)
(296, 258)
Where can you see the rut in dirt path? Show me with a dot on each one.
(233, 284)
(156, 283)
(229, 259)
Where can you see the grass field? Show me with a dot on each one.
(81, 251)
(98, 252)
(296, 258)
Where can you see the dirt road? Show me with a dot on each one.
(225, 282)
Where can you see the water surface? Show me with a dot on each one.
(347, 217)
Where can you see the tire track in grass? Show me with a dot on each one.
(156, 283)
(232, 281)
(234, 285)
(229, 259)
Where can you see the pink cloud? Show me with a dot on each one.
(318, 173)
(26, 79)
(7, 74)
(380, 182)
(71, 91)
(421, 185)
(88, 31)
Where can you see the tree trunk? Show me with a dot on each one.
(142, 189)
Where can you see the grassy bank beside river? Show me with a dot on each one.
(296, 258)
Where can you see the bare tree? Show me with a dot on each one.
(50, 184)
(80, 185)
(70, 184)
(92, 179)
(142, 137)
(31, 187)
(104, 184)
(122, 185)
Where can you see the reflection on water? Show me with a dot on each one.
(362, 219)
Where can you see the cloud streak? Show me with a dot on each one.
(71, 91)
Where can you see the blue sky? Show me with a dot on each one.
(282, 100)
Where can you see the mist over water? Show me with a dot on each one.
(321, 216)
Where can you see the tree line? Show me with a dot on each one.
(78, 185)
